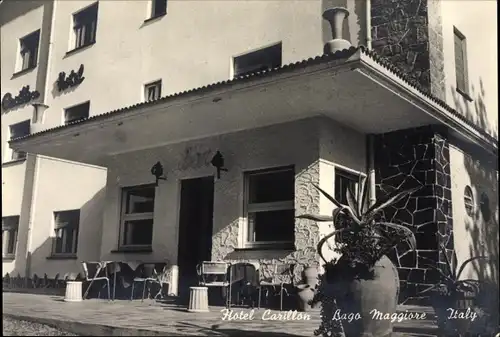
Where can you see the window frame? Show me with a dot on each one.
(62, 226)
(465, 91)
(252, 69)
(263, 207)
(66, 110)
(471, 203)
(33, 50)
(346, 173)
(157, 85)
(124, 217)
(153, 14)
(8, 228)
(13, 154)
(80, 39)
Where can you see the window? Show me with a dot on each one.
(263, 59)
(270, 206)
(66, 232)
(469, 201)
(137, 216)
(461, 62)
(29, 50)
(85, 26)
(10, 225)
(19, 130)
(343, 181)
(152, 91)
(158, 8)
(76, 113)
(485, 207)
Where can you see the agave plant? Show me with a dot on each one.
(450, 283)
(362, 236)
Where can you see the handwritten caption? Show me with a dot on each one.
(338, 315)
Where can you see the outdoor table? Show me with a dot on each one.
(116, 269)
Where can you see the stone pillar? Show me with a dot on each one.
(408, 33)
(406, 159)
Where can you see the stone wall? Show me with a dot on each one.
(406, 159)
(409, 34)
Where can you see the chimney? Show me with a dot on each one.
(335, 16)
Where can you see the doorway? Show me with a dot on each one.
(195, 230)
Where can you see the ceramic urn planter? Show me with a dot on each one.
(336, 16)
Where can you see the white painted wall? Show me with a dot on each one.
(64, 186)
(473, 236)
(477, 20)
(334, 152)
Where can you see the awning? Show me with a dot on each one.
(353, 87)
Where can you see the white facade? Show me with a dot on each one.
(191, 46)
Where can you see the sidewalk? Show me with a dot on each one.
(125, 318)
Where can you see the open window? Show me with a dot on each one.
(259, 60)
(85, 26)
(29, 50)
(76, 113)
(10, 227)
(16, 131)
(66, 226)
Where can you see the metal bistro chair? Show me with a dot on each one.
(164, 278)
(145, 273)
(281, 274)
(96, 271)
(216, 274)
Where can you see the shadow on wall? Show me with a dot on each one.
(88, 247)
(475, 111)
(484, 232)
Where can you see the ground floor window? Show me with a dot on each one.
(270, 206)
(10, 226)
(136, 228)
(345, 180)
(66, 228)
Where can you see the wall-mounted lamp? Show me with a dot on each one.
(157, 171)
(218, 163)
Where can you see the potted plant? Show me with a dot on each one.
(452, 298)
(362, 281)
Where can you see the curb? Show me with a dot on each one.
(90, 329)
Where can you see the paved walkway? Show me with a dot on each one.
(125, 318)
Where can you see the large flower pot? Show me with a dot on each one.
(305, 294)
(367, 298)
(310, 275)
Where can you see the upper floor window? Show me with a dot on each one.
(270, 206)
(344, 181)
(85, 26)
(66, 232)
(158, 8)
(10, 226)
(136, 228)
(461, 71)
(263, 59)
(29, 50)
(152, 91)
(16, 131)
(76, 113)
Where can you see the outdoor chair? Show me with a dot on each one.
(96, 271)
(164, 278)
(216, 274)
(145, 273)
(281, 274)
(246, 278)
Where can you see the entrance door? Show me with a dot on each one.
(195, 230)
